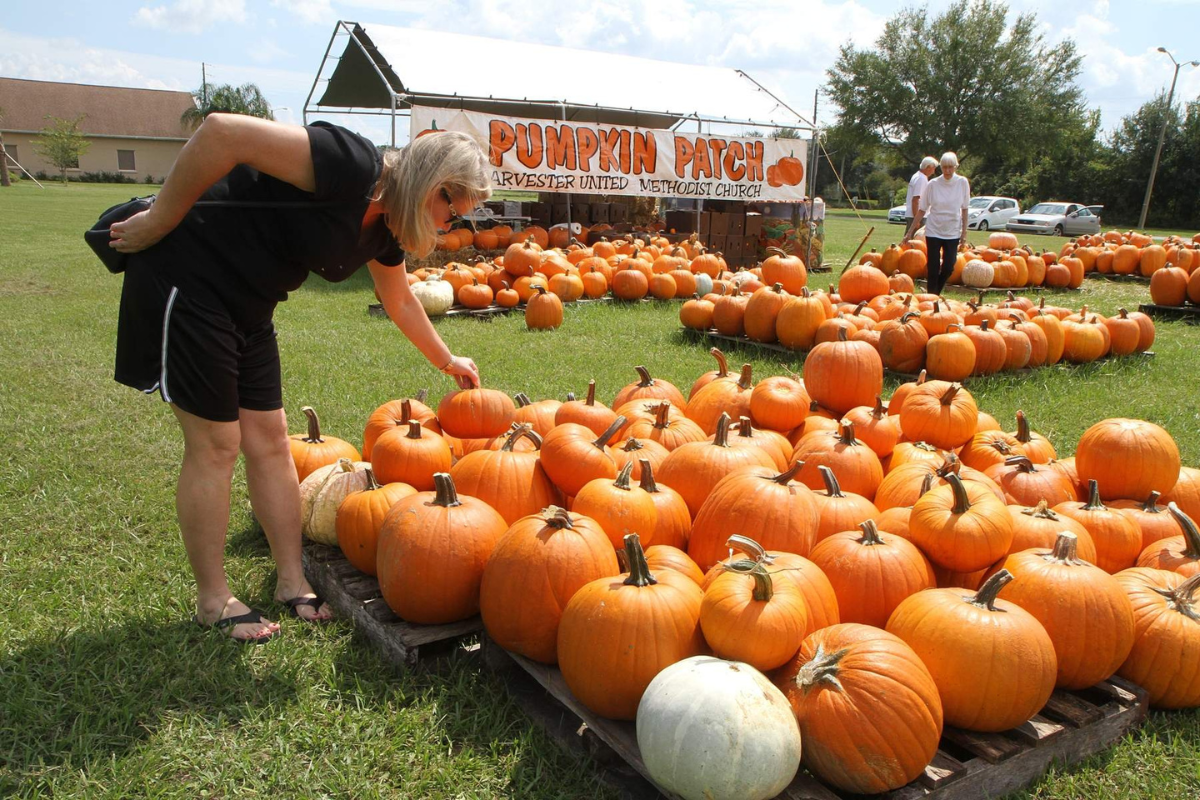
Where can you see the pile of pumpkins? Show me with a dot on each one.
(954, 340)
(1176, 279)
(1002, 264)
(630, 269)
(788, 571)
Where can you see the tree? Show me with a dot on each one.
(246, 99)
(62, 143)
(786, 133)
(963, 81)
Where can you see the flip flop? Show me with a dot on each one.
(314, 603)
(229, 622)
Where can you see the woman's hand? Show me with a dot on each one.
(464, 372)
(137, 233)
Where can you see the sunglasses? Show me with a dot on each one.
(445, 195)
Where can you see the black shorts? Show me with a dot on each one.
(182, 342)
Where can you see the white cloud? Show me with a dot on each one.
(267, 50)
(190, 16)
(311, 12)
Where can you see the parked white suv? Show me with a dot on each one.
(991, 213)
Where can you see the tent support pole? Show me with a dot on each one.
(312, 90)
(570, 223)
(699, 200)
(812, 180)
(393, 94)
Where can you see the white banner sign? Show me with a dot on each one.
(543, 155)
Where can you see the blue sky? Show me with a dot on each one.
(785, 44)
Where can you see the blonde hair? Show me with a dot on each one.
(411, 175)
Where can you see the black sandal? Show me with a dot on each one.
(240, 619)
(313, 602)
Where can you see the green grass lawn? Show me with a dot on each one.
(106, 689)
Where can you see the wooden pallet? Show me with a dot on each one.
(968, 765)
(1114, 278)
(355, 596)
(376, 309)
(1170, 312)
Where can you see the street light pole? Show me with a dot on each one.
(1162, 135)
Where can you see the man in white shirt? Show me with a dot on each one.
(943, 208)
(916, 185)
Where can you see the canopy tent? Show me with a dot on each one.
(384, 69)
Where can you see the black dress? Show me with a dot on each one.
(195, 321)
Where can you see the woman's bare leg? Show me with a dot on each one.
(202, 503)
(275, 497)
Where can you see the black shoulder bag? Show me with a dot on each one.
(99, 235)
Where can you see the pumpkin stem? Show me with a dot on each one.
(983, 324)
(747, 380)
(414, 429)
(870, 533)
(372, 482)
(745, 427)
(948, 395)
(823, 668)
(421, 395)
(1094, 503)
(518, 431)
(721, 437)
(1023, 435)
(784, 478)
(610, 432)
(557, 517)
(1124, 313)
(522, 399)
(644, 375)
(846, 433)
(314, 426)
(962, 503)
(722, 364)
(1190, 533)
(909, 315)
(570, 396)
(880, 410)
(1021, 462)
(832, 487)
(1182, 599)
(1151, 505)
(662, 415)
(591, 394)
(622, 481)
(1065, 547)
(1041, 511)
(927, 483)
(632, 445)
(841, 332)
(746, 545)
(639, 570)
(647, 482)
(764, 587)
(447, 495)
(951, 464)
(986, 596)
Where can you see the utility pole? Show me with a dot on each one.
(1162, 134)
(203, 84)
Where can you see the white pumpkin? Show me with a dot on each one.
(710, 729)
(978, 274)
(435, 295)
(323, 491)
(704, 284)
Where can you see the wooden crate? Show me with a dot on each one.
(1171, 312)
(968, 766)
(355, 596)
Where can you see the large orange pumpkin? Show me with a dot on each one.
(962, 527)
(1165, 659)
(511, 482)
(749, 616)
(1129, 457)
(311, 451)
(360, 517)
(843, 374)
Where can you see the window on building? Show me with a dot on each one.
(125, 161)
(14, 159)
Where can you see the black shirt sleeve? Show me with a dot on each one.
(346, 166)
(393, 256)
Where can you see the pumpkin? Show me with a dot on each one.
(896, 401)
(1154, 521)
(978, 274)
(323, 491)
(1168, 287)
(539, 415)
(727, 396)
(432, 550)
(311, 450)
(1024, 483)
(779, 403)
(395, 413)
(818, 592)
(877, 429)
(572, 457)
(476, 413)
(511, 482)
(902, 343)
(992, 661)
(434, 294)
(774, 444)
(695, 468)
(1178, 553)
(673, 521)
(797, 322)
(722, 371)
(668, 426)
(862, 283)
(702, 706)
(662, 556)
(1186, 491)
(962, 527)
(856, 466)
(1165, 659)
(871, 572)
(536, 567)
(762, 309)
(788, 270)
(617, 634)
(543, 310)
(1129, 457)
(990, 448)
(648, 388)
(840, 511)
(950, 356)
(755, 500)
(696, 314)
(869, 711)
(412, 455)
(619, 507)
(748, 616)
(843, 374)
(1039, 527)
(634, 451)
(1117, 538)
(943, 414)
(1034, 446)
(360, 517)
(596, 417)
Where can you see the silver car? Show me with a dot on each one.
(1058, 219)
(896, 215)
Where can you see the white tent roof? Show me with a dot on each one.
(497, 76)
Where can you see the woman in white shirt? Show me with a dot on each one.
(943, 209)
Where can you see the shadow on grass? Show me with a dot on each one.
(357, 282)
(94, 695)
